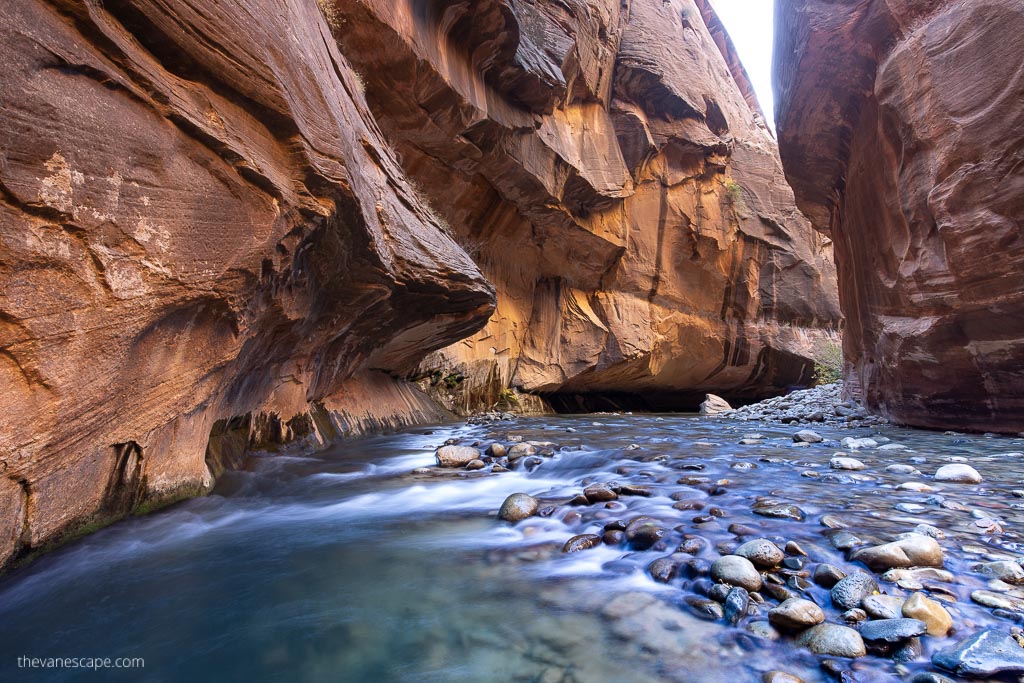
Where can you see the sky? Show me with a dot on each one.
(750, 24)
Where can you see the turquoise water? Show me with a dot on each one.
(342, 566)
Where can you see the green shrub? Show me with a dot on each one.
(828, 363)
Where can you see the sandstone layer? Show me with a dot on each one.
(202, 231)
(608, 169)
(902, 133)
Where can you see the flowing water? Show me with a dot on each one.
(342, 565)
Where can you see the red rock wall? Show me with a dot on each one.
(604, 166)
(227, 224)
(199, 219)
(901, 127)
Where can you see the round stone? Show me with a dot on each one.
(581, 542)
(761, 552)
(934, 615)
(796, 614)
(517, 507)
(958, 473)
(456, 456)
(736, 571)
(849, 592)
(892, 630)
(833, 640)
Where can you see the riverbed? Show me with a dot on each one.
(357, 564)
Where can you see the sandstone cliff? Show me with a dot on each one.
(902, 131)
(613, 178)
(228, 224)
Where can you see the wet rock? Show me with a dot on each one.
(934, 615)
(736, 571)
(883, 606)
(908, 650)
(902, 469)
(633, 490)
(599, 493)
(843, 463)
(644, 532)
(704, 608)
(849, 592)
(581, 542)
(456, 456)
(892, 630)
(998, 601)
(579, 499)
(497, 450)
(916, 486)
(855, 616)
(914, 550)
(517, 507)
(762, 629)
(736, 604)
(795, 614)
(477, 464)
(613, 537)
(833, 640)
(828, 575)
(808, 436)
(984, 654)
(930, 677)
(521, 450)
(1003, 570)
(844, 540)
(780, 511)
(832, 522)
(762, 552)
(663, 569)
(856, 444)
(958, 474)
(692, 546)
(793, 548)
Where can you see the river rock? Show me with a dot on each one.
(984, 654)
(521, 450)
(828, 575)
(934, 615)
(599, 493)
(808, 436)
(762, 552)
(517, 507)
(456, 456)
(856, 444)
(736, 571)
(913, 550)
(892, 630)
(497, 450)
(795, 614)
(883, 606)
(714, 405)
(737, 601)
(780, 511)
(663, 569)
(644, 532)
(780, 677)
(1004, 570)
(998, 601)
(833, 640)
(849, 592)
(958, 474)
(843, 463)
(581, 542)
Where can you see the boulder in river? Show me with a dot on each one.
(456, 456)
(913, 550)
(984, 654)
(833, 640)
(795, 614)
(581, 542)
(958, 473)
(517, 507)
(849, 592)
(1004, 570)
(933, 614)
(714, 405)
(808, 436)
(761, 552)
(736, 571)
(892, 630)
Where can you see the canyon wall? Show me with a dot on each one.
(608, 169)
(231, 224)
(901, 128)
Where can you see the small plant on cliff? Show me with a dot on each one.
(453, 380)
(828, 363)
(508, 396)
(733, 192)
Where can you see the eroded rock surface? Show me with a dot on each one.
(607, 168)
(901, 129)
(202, 231)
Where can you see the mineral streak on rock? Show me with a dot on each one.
(902, 132)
